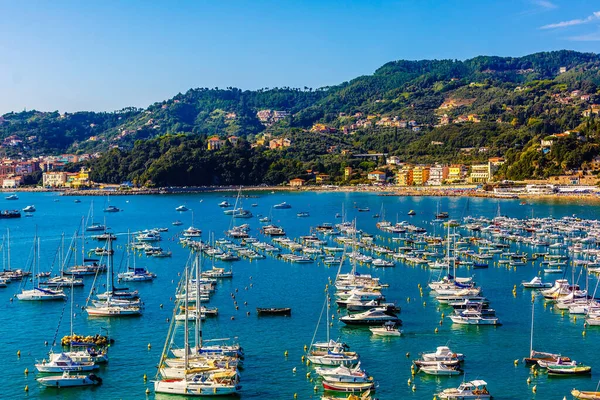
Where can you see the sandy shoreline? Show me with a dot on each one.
(382, 191)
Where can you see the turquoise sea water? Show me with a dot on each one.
(267, 374)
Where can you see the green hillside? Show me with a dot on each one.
(422, 111)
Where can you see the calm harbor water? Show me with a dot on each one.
(267, 374)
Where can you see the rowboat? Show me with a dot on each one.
(274, 311)
(441, 368)
(569, 369)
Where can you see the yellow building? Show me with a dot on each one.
(296, 182)
(347, 173)
(420, 175)
(321, 178)
(404, 177)
(480, 173)
(78, 179)
(214, 143)
(457, 172)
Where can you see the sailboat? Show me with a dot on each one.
(91, 225)
(207, 380)
(37, 293)
(328, 356)
(535, 356)
(113, 307)
(110, 208)
(63, 280)
(192, 232)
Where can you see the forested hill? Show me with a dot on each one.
(422, 111)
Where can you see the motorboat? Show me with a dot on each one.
(283, 205)
(69, 380)
(472, 390)
(343, 374)
(442, 353)
(474, 317)
(29, 209)
(95, 227)
(12, 197)
(181, 208)
(388, 329)
(303, 214)
(112, 209)
(378, 262)
(62, 362)
(137, 274)
(536, 283)
(192, 232)
(441, 368)
(412, 212)
(177, 223)
(224, 204)
(373, 316)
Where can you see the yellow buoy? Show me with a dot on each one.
(305, 347)
(294, 370)
(285, 353)
(516, 362)
(302, 359)
(436, 330)
(147, 391)
(534, 388)
(407, 355)
(27, 388)
(443, 315)
(295, 395)
(149, 346)
(26, 371)
(308, 375)
(409, 381)
(316, 388)
(528, 380)
(583, 333)
(414, 388)
(424, 303)
(145, 378)
(18, 353)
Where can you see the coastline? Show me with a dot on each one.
(380, 190)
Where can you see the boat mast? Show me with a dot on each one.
(109, 273)
(198, 332)
(185, 324)
(448, 250)
(531, 338)
(8, 248)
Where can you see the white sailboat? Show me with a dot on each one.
(111, 307)
(37, 293)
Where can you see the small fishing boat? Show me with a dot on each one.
(29, 209)
(76, 201)
(68, 380)
(177, 223)
(363, 209)
(573, 368)
(348, 387)
(388, 329)
(112, 209)
(473, 390)
(585, 395)
(303, 214)
(536, 283)
(181, 208)
(274, 311)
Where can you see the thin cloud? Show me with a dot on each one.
(590, 37)
(545, 4)
(573, 22)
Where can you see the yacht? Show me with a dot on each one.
(224, 204)
(62, 362)
(282, 206)
(373, 316)
(12, 197)
(69, 380)
(181, 208)
(29, 209)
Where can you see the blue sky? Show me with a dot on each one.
(104, 55)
